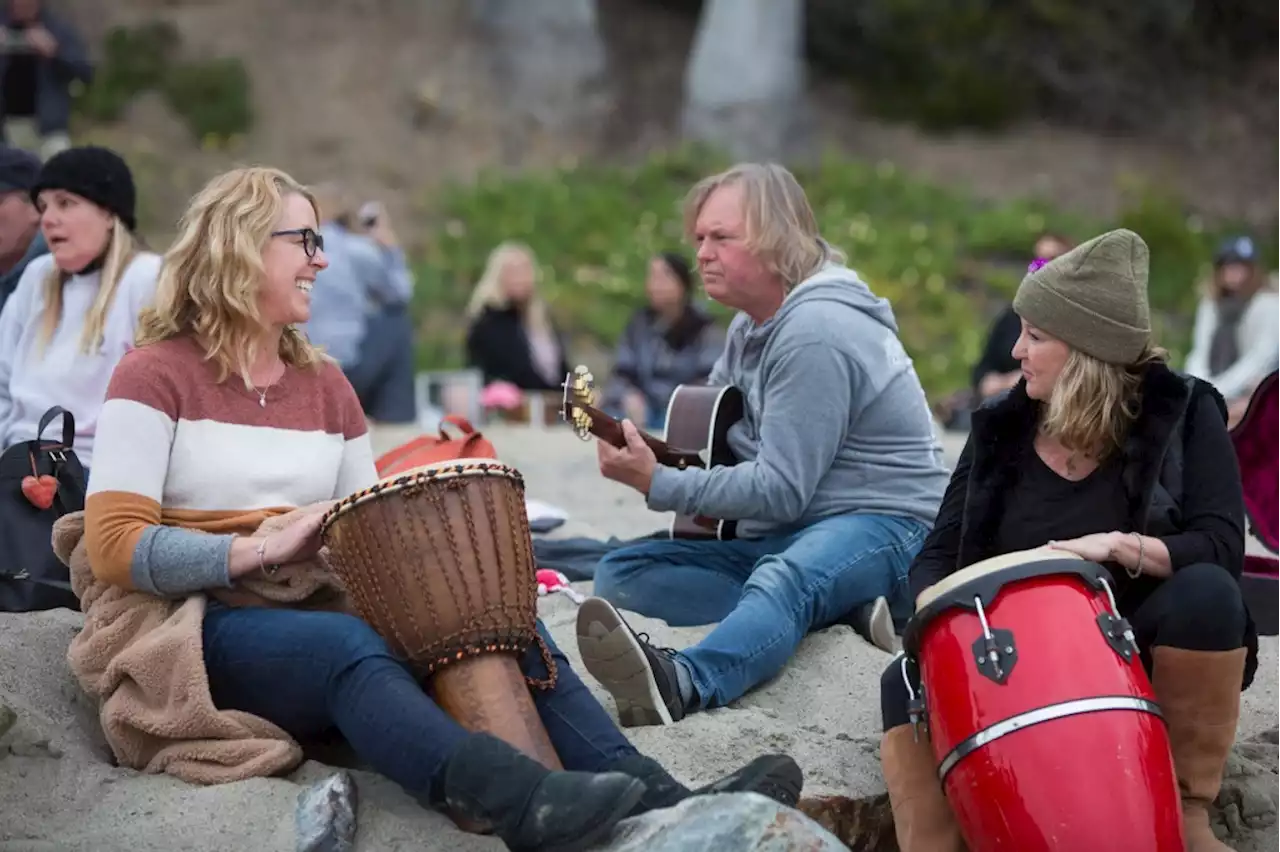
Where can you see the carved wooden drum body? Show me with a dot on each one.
(439, 561)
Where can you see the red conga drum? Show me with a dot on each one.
(1043, 721)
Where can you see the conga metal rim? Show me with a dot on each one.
(1061, 710)
(988, 586)
(417, 477)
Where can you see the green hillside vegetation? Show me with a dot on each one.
(945, 260)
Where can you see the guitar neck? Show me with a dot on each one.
(609, 430)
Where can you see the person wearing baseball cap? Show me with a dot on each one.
(1236, 339)
(20, 237)
(73, 314)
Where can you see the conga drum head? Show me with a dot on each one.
(442, 471)
(985, 580)
(986, 567)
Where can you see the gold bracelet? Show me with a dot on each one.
(1136, 572)
(267, 571)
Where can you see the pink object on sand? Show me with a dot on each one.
(501, 395)
(553, 581)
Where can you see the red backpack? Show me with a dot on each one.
(429, 449)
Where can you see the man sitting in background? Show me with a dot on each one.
(20, 237)
(42, 55)
(360, 306)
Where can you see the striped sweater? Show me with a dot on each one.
(181, 455)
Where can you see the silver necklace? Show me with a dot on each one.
(262, 396)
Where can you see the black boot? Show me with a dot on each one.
(490, 783)
(776, 776)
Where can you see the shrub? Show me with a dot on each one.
(944, 259)
(213, 96)
(984, 63)
(134, 60)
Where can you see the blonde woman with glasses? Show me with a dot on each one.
(225, 414)
(72, 316)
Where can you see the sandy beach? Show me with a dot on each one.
(59, 792)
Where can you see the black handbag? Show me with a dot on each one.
(31, 576)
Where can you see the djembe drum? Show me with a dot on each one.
(439, 561)
(1042, 719)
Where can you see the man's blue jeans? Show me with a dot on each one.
(311, 672)
(766, 594)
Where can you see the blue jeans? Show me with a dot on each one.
(311, 672)
(766, 594)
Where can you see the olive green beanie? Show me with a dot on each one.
(1093, 298)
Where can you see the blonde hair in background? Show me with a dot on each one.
(209, 281)
(1094, 403)
(488, 290)
(781, 227)
(121, 250)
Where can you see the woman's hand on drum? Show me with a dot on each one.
(297, 542)
(1098, 547)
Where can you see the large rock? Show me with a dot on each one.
(741, 822)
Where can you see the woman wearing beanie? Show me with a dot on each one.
(72, 316)
(1100, 450)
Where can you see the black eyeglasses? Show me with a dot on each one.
(312, 242)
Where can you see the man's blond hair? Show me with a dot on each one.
(781, 228)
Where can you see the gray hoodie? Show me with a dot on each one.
(836, 420)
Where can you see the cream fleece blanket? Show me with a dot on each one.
(142, 658)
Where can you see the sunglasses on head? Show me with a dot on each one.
(311, 241)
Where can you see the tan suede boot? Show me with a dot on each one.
(922, 819)
(1199, 694)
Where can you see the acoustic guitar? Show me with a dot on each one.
(698, 421)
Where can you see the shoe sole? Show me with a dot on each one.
(614, 657)
(592, 838)
(880, 626)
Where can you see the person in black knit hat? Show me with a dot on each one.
(73, 313)
(95, 174)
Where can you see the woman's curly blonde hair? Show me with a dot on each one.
(210, 277)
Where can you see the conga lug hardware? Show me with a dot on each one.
(916, 712)
(1119, 634)
(996, 654)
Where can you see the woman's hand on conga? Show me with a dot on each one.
(1098, 547)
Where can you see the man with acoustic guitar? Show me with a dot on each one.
(838, 478)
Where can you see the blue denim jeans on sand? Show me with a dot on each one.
(766, 594)
(310, 672)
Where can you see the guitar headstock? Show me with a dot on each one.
(579, 390)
